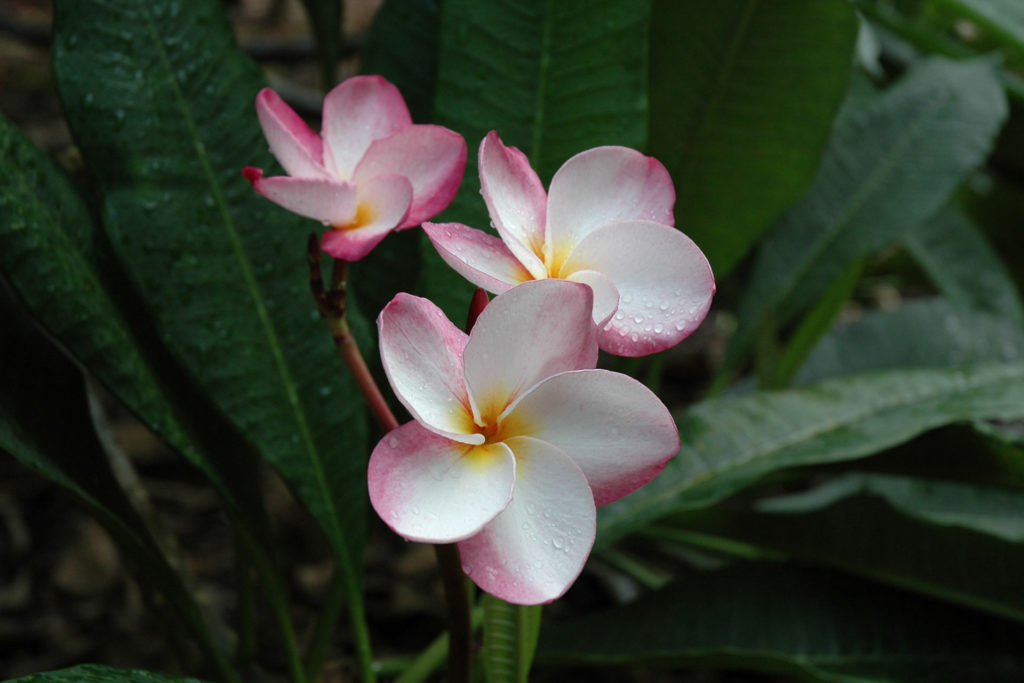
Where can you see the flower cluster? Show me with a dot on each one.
(516, 436)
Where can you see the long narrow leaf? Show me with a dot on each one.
(743, 93)
(889, 165)
(728, 443)
(161, 103)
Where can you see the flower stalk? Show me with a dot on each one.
(330, 302)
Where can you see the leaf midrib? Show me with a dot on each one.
(251, 286)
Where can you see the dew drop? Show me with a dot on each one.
(659, 328)
(620, 316)
(638, 318)
(558, 542)
(393, 442)
(627, 298)
(634, 336)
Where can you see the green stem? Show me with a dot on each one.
(332, 306)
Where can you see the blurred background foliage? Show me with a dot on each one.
(848, 504)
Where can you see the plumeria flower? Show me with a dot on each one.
(516, 436)
(607, 222)
(370, 171)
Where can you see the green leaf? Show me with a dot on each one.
(813, 326)
(510, 639)
(888, 166)
(987, 510)
(45, 424)
(553, 78)
(160, 102)
(53, 256)
(85, 673)
(1003, 18)
(730, 442)
(805, 624)
(867, 536)
(58, 262)
(743, 93)
(919, 334)
(963, 265)
(402, 47)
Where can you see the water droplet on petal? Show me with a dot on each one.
(558, 542)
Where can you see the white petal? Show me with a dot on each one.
(600, 186)
(606, 296)
(422, 355)
(515, 200)
(665, 284)
(617, 431)
(533, 550)
(299, 149)
(525, 335)
(329, 201)
(356, 112)
(431, 157)
(430, 489)
(482, 259)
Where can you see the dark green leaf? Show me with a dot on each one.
(743, 93)
(402, 47)
(987, 510)
(45, 424)
(867, 536)
(87, 673)
(54, 258)
(888, 166)
(730, 442)
(553, 78)
(964, 266)
(160, 102)
(919, 334)
(806, 624)
(1003, 18)
(813, 326)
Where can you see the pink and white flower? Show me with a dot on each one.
(370, 171)
(606, 222)
(516, 436)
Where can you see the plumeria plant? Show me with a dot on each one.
(599, 463)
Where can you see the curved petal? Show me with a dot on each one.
(431, 157)
(428, 488)
(515, 200)
(383, 204)
(606, 296)
(299, 149)
(665, 284)
(527, 334)
(533, 551)
(600, 186)
(357, 112)
(617, 431)
(482, 259)
(331, 201)
(421, 351)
